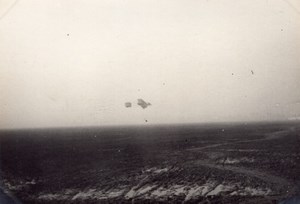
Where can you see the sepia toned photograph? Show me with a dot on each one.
(149, 101)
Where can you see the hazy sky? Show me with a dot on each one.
(76, 62)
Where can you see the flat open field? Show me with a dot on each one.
(225, 163)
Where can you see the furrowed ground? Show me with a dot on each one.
(222, 164)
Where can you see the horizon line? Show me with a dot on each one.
(155, 124)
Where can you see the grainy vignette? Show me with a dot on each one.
(139, 101)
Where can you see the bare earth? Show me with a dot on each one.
(233, 163)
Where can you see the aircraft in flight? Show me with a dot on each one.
(143, 103)
(140, 102)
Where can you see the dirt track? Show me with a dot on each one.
(280, 184)
(269, 136)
